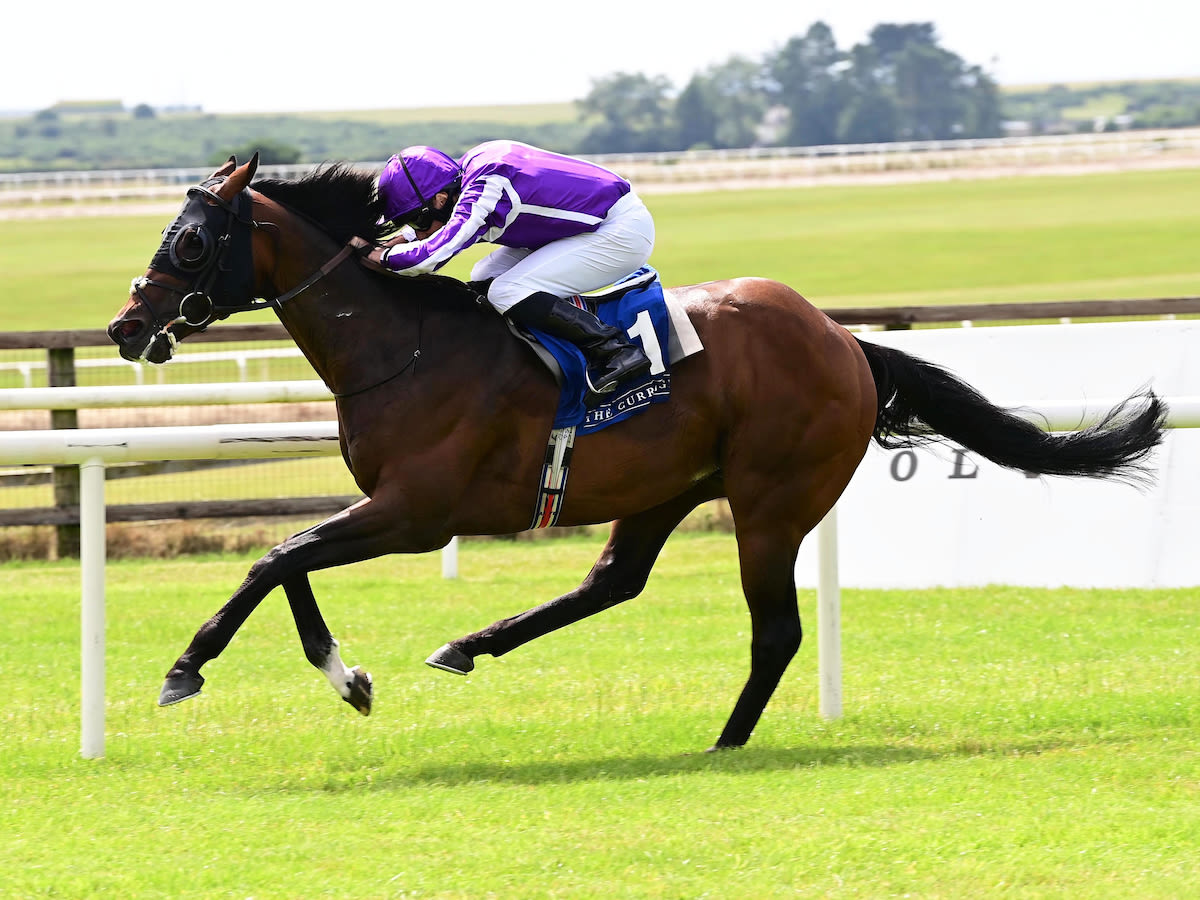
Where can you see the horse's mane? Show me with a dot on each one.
(340, 200)
(343, 202)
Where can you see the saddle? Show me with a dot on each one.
(638, 306)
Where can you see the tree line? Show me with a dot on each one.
(898, 84)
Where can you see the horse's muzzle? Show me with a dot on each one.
(136, 340)
(125, 333)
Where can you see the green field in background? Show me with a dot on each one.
(1013, 239)
(998, 743)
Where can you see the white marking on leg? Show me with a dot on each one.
(335, 670)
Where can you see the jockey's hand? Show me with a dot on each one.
(405, 235)
(374, 259)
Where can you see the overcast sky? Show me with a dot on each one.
(286, 55)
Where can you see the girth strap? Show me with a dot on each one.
(553, 484)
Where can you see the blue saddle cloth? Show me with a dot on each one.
(641, 313)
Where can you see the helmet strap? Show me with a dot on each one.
(416, 190)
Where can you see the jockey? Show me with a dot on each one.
(564, 226)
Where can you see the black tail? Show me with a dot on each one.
(920, 402)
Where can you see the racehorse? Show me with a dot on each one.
(444, 417)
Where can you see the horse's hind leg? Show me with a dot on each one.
(772, 516)
(618, 575)
(768, 580)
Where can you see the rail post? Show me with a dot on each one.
(91, 609)
(60, 372)
(829, 618)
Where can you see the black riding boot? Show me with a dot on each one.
(611, 357)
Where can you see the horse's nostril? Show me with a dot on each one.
(128, 328)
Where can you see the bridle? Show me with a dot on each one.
(198, 249)
(208, 248)
(217, 269)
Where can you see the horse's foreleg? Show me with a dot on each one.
(184, 679)
(618, 575)
(360, 532)
(321, 649)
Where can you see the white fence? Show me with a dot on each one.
(699, 166)
(93, 449)
(163, 395)
(240, 358)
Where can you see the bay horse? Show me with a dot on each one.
(444, 418)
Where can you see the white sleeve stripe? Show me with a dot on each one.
(466, 234)
(551, 212)
(520, 207)
(514, 209)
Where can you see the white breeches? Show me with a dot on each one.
(573, 265)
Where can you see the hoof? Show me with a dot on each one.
(721, 748)
(361, 691)
(450, 659)
(178, 688)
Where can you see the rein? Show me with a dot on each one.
(408, 365)
(355, 245)
(360, 246)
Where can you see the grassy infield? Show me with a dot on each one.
(999, 742)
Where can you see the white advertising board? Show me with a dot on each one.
(938, 516)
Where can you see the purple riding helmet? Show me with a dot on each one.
(411, 179)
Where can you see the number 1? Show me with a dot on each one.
(643, 330)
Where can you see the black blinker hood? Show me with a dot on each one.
(224, 270)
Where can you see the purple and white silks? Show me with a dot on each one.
(517, 196)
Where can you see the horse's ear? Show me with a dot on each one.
(226, 169)
(239, 178)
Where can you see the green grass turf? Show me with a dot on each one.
(1013, 239)
(1000, 742)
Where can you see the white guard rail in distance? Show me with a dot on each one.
(145, 184)
(125, 396)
